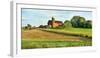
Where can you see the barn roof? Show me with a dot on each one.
(55, 21)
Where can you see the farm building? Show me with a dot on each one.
(53, 23)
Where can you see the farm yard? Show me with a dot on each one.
(53, 38)
(44, 28)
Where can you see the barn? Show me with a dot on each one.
(54, 23)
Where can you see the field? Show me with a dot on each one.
(52, 38)
(82, 32)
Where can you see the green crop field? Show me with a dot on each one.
(52, 38)
(53, 44)
(74, 31)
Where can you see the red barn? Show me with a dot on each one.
(54, 23)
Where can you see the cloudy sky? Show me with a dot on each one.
(37, 17)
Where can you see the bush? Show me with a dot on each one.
(67, 24)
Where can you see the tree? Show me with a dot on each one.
(29, 26)
(74, 21)
(81, 22)
(41, 26)
(88, 24)
(78, 21)
(25, 27)
(67, 24)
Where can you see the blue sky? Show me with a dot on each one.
(37, 17)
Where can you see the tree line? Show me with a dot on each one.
(78, 22)
(75, 22)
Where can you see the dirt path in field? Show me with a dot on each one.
(39, 35)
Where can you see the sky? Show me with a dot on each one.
(37, 17)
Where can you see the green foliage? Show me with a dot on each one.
(67, 24)
(28, 27)
(82, 32)
(88, 24)
(80, 22)
(28, 44)
(74, 21)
